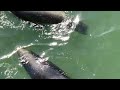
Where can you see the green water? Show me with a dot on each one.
(92, 56)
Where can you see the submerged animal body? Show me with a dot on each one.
(39, 68)
(41, 17)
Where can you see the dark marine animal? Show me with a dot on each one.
(41, 17)
(38, 68)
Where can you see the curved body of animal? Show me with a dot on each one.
(41, 17)
(38, 68)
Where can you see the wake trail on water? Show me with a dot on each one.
(59, 32)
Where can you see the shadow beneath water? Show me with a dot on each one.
(82, 28)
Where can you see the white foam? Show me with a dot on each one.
(63, 30)
(53, 44)
(14, 51)
(77, 19)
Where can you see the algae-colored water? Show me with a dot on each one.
(92, 56)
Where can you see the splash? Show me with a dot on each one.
(63, 30)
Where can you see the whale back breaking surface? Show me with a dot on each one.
(41, 17)
(38, 68)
